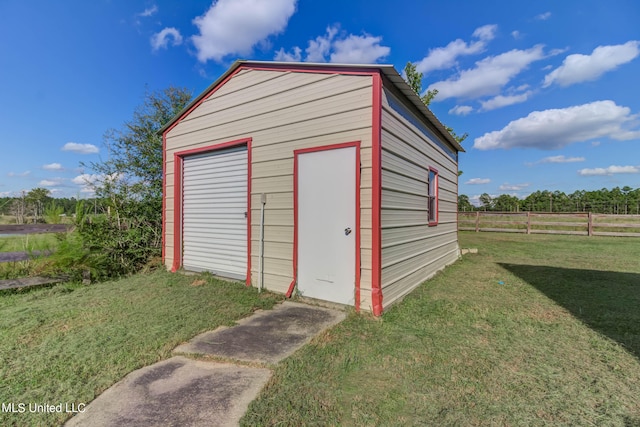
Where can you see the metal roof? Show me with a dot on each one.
(388, 70)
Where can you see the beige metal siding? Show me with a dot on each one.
(412, 251)
(281, 111)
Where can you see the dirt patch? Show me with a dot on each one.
(21, 256)
(33, 228)
(28, 282)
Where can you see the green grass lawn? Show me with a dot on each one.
(28, 242)
(558, 343)
(67, 344)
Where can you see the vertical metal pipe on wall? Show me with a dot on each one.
(263, 201)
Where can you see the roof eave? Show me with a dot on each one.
(388, 70)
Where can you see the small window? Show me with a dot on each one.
(433, 197)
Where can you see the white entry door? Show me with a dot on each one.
(215, 212)
(327, 224)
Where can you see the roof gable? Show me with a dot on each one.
(387, 70)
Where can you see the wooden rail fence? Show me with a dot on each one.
(581, 223)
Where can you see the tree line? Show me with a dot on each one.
(619, 201)
(38, 205)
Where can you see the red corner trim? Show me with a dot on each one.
(164, 195)
(296, 153)
(177, 213)
(177, 204)
(292, 285)
(376, 230)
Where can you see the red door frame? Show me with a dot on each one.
(296, 153)
(178, 228)
(376, 138)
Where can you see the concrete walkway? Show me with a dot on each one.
(182, 391)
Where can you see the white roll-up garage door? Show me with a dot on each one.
(214, 212)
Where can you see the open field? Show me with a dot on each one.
(68, 343)
(28, 242)
(33, 245)
(580, 223)
(558, 343)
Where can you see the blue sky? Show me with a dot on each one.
(547, 90)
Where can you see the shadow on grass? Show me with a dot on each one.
(606, 301)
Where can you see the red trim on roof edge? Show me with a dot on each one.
(319, 69)
(238, 66)
(177, 204)
(204, 98)
(376, 230)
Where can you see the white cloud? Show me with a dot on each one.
(5, 193)
(354, 49)
(513, 187)
(319, 48)
(52, 167)
(475, 199)
(95, 179)
(543, 16)
(516, 34)
(149, 11)
(25, 173)
(88, 182)
(236, 26)
(579, 68)
(561, 159)
(161, 40)
(595, 143)
(86, 179)
(489, 76)
(611, 170)
(348, 49)
(504, 100)
(445, 57)
(80, 148)
(556, 128)
(295, 56)
(478, 181)
(49, 183)
(461, 110)
(486, 32)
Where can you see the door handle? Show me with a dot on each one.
(347, 231)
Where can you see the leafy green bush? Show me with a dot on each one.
(105, 246)
(52, 213)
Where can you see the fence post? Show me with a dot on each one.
(528, 222)
(477, 221)
(590, 225)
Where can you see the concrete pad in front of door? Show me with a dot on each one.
(267, 336)
(177, 392)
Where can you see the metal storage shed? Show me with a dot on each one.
(333, 181)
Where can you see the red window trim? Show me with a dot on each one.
(433, 222)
